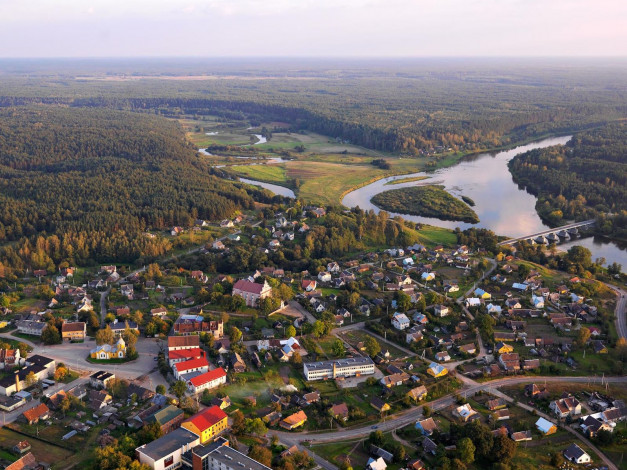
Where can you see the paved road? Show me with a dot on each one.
(621, 311)
(74, 356)
(413, 414)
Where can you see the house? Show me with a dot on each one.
(426, 426)
(521, 436)
(510, 362)
(429, 446)
(107, 352)
(183, 342)
(469, 348)
(100, 379)
(496, 404)
(531, 364)
(379, 405)
(599, 347)
(563, 407)
(21, 447)
(520, 287)
(413, 334)
(394, 380)
(324, 276)
(237, 363)
(218, 245)
(492, 308)
(378, 464)
(441, 310)
(418, 393)
(294, 420)
(437, 370)
(339, 411)
(309, 285)
(9, 358)
(442, 356)
(465, 412)
(513, 303)
(98, 399)
(591, 426)
(252, 292)
(400, 321)
(127, 291)
(533, 391)
(212, 379)
(451, 287)
(31, 327)
(187, 367)
(546, 427)
(181, 355)
(415, 464)
(274, 244)
(207, 424)
(480, 293)
(333, 267)
(167, 418)
(472, 302)
(538, 302)
(27, 462)
(199, 276)
(503, 348)
(40, 412)
(427, 276)
(384, 454)
(222, 402)
(159, 312)
(575, 454)
(500, 415)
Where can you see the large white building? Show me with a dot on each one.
(351, 367)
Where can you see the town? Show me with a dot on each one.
(233, 354)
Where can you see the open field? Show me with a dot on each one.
(268, 173)
(58, 457)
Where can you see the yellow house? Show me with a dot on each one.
(106, 351)
(379, 405)
(207, 424)
(3, 324)
(436, 370)
(293, 421)
(503, 348)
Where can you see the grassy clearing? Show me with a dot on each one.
(432, 236)
(58, 457)
(268, 173)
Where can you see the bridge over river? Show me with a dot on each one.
(554, 235)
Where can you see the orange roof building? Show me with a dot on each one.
(207, 424)
(293, 421)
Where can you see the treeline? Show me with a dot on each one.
(411, 114)
(88, 182)
(586, 178)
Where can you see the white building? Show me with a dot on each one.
(350, 367)
(400, 321)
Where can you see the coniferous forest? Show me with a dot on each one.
(584, 179)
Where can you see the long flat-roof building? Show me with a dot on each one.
(219, 456)
(351, 367)
(165, 453)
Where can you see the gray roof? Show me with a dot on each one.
(352, 361)
(227, 455)
(168, 444)
(573, 452)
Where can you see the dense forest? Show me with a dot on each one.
(426, 201)
(88, 182)
(406, 107)
(586, 178)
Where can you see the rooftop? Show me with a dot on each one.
(168, 444)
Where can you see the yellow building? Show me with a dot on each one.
(293, 421)
(436, 370)
(107, 352)
(207, 424)
(503, 348)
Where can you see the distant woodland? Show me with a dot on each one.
(586, 178)
(81, 185)
(88, 160)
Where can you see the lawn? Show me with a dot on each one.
(269, 173)
(57, 456)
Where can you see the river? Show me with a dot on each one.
(501, 205)
(275, 188)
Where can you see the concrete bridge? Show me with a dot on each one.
(554, 235)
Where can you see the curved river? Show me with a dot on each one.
(501, 205)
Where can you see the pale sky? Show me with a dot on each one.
(306, 28)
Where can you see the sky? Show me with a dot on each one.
(312, 28)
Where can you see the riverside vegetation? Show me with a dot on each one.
(426, 201)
